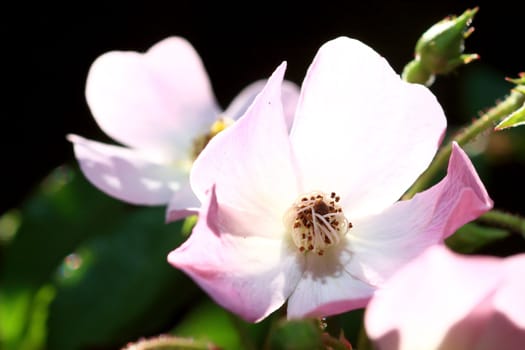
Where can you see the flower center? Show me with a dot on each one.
(316, 222)
(200, 142)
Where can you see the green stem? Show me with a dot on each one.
(166, 342)
(509, 105)
(414, 72)
(511, 221)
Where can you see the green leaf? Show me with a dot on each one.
(515, 119)
(209, 322)
(62, 212)
(9, 225)
(119, 285)
(114, 280)
(472, 237)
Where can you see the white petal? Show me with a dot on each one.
(251, 164)
(126, 174)
(385, 242)
(244, 99)
(183, 204)
(157, 101)
(290, 95)
(326, 287)
(360, 130)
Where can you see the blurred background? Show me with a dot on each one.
(48, 51)
(51, 47)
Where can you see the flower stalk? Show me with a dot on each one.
(514, 101)
(514, 222)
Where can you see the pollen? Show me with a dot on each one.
(316, 221)
(200, 142)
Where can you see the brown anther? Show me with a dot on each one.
(321, 208)
(317, 222)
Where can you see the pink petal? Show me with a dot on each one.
(156, 101)
(505, 321)
(127, 175)
(250, 276)
(326, 288)
(425, 298)
(251, 165)
(442, 300)
(382, 131)
(239, 105)
(509, 299)
(384, 242)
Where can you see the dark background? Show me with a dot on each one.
(49, 49)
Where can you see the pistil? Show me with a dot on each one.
(316, 222)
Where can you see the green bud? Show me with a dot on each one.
(440, 48)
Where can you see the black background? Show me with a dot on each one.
(49, 48)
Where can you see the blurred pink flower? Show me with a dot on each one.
(161, 107)
(311, 216)
(442, 300)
